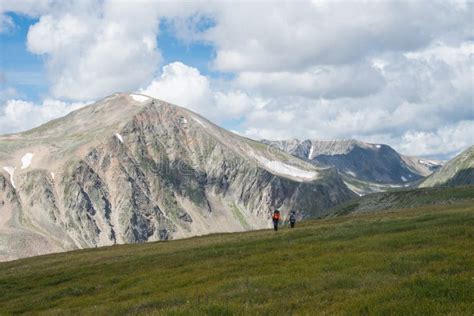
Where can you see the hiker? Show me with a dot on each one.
(276, 219)
(292, 219)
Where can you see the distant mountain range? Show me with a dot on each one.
(365, 167)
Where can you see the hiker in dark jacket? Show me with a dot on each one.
(292, 219)
(276, 219)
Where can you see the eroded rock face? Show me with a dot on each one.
(130, 171)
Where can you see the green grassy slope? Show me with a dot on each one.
(416, 261)
(407, 198)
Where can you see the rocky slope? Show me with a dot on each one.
(457, 171)
(366, 167)
(131, 169)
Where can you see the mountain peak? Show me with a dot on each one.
(130, 168)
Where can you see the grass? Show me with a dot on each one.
(405, 262)
(407, 198)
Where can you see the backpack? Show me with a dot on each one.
(292, 218)
(276, 216)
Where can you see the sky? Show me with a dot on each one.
(393, 72)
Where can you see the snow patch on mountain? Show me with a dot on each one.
(354, 188)
(26, 160)
(284, 169)
(11, 172)
(120, 138)
(351, 173)
(52, 175)
(310, 155)
(403, 178)
(429, 163)
(139, 98)
(199, 122)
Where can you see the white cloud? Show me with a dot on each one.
(318, 81)
(457, 65)
(19, 115)
(399, 72)
(6, 23)
(186, 86)
(444, 142)
(96, 49)
(32, 8)
(235, 103)
(291, 36)
(8, 93)
(428, 94)
(182, 85)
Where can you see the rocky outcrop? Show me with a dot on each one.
(132, 170)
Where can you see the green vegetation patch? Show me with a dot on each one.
(410, 198)
(238, 215)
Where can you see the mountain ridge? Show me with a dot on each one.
(365, 167)
(130, 168)
(457, 171)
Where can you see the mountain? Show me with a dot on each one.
(424, 167)
(131, 169)
(365, 167)
(457, 171)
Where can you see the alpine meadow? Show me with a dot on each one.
(301, 157)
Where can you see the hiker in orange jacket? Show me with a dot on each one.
(276, 219)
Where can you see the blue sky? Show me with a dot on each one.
(27, 74)
(195, 54)
(23, 71)
(400, 74)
